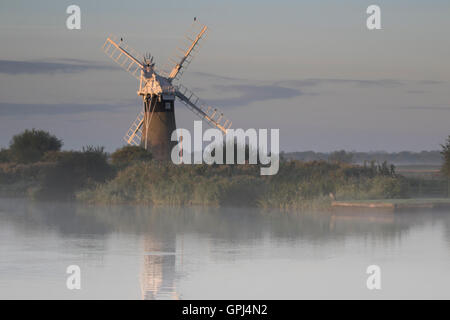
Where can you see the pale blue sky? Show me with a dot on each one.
(310, 68)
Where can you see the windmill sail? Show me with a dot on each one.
(125, 56)
(184, 55)
(211, 115)
(134, 134)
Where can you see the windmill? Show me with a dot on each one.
(155, 123)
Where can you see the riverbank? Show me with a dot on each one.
(87, 177)
(395, 204)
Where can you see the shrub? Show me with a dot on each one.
(248, 151)
(19, 179)
(53, 156)
(73, 171)
(126, 155)
(5, 155)
(31, 145)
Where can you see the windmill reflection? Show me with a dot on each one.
(159, 268)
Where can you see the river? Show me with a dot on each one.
(130, 252)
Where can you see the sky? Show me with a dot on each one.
(309, 68)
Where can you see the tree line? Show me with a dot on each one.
(397, 158)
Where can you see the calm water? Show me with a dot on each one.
(136, 253)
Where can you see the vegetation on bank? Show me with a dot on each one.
(129, 175)
(59, 174)
(34, 166)
(125, 156)
(297, 185)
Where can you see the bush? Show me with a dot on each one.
(125, 156)
(248, 151)
(73, 171)
(5, 155)
(31, 145)
(18, 180)
(446, 154)
(53, 156)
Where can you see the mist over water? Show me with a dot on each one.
(135, 252)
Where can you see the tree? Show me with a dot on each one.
(124, 156)
(31, 145)
(446, 154)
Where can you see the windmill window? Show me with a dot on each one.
(167, 105)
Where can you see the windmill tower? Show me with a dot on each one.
(155, 123)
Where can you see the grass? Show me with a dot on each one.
(297, 186)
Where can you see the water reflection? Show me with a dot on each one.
(159, 268)
(173, 244)
(226, 224)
